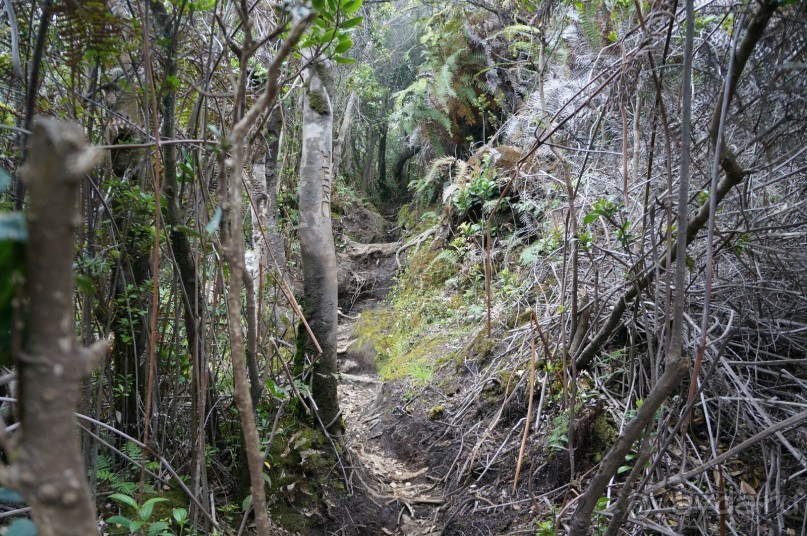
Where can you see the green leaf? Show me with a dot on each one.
(351, 23)
(180, 515)
(148, 507)
(318, 4)
(120, 520)
(214, 222)
(275, 390)
(125, 499)
(247, 501)
(21, 527)
(85, 284)
(12, 227)
(343, 59)
(590, 218)
(329, 35)
(5, 180)
(623, 469)
(350, 6)
(344, 45)
(160, 527)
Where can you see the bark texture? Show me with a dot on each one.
(316, 240)
(47, 468)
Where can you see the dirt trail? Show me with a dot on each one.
(405, 499)
(384, 477)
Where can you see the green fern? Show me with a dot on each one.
(588, 14)
(87, 28)
(444, 82)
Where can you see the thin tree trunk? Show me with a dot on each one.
(368, 174)
(184, 262)
(276, 255)
(232, 169)
(382, 158)
(47, 467)
(316, 242)
(342, 136)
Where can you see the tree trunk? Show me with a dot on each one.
(185, 264)
(368, 174)
(276, 256)
(47, 467)
(398, 174)
(343, 134)
(382, 160)
(316, 241)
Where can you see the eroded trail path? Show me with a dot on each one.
(389, 482)
(399, 497)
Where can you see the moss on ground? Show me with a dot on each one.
(297, 469)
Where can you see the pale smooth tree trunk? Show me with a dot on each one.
(316, 241)
(47, 467)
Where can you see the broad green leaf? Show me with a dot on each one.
(85, 284)
(350, 6)
(344, 44)
(148, 507)
(158, 528)
(275, 390)
(590, 218)
(343, 59)
(180, 515)
(125, 499)
(351, 23)
(120, 520)
(318, 4)
(329, 35)
(21, 527)
(246, 503)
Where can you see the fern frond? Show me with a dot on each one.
(437, 166)
(443, 82)
(436, 116)
(588, 11)
(88, 26)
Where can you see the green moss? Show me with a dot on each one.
(317, 103)
(407, 216)
(605, 433)
(298, 470)
(436, 412)
(479, 349)
(416, 362)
